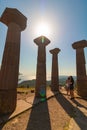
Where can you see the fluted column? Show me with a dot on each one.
(16, 23)
(55, 71)
(80, 67)
(40, 89)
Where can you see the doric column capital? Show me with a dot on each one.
(12, 15)
(42, 40)
(55, 51)
(79, 44)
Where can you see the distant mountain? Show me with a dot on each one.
(31, 83)
(27, 83)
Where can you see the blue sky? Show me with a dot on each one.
(67, 20)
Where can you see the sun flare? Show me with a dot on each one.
(43, 29)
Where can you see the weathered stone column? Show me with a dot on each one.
(42, 42)
(80, 67)
(55, 71)
(16, 23)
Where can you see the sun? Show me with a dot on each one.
(42, 29)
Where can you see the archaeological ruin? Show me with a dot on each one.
(55, 70)
(80, 67)
(40, 88)
(16, 22)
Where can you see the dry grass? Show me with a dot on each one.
(25, 90)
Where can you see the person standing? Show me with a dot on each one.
(71, 86)
(67, 87)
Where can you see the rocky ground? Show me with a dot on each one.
(57, 113)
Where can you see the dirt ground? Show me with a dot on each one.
(53, 114)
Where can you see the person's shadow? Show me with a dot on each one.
(79, 104)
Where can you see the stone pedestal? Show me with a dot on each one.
(16, 23)
(55, 71)
(80, 67)
(40, 89)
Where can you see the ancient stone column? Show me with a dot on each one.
(80, 67)
(55, 71)
(40, 89)
(16, 23)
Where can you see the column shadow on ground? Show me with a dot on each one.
(39, 118)
(72, 111)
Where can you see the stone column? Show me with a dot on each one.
(41, 42)
(55, 71)
(80, 67)
(16, 23)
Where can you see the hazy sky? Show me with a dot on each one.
(67, 22)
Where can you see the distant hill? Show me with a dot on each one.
(31, 83)
(27, 83)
